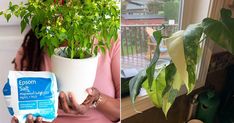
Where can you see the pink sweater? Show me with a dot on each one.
(107, 81)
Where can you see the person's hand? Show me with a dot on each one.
(74, 107)
(29, 119)
(93, 96)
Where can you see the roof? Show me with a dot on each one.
(131, 6)
(141, 17)
(140, 2)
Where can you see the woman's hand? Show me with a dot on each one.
(29, 119)
(93, 97)
(74, 107)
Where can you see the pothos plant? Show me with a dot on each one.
(184, 50)
(78, 23)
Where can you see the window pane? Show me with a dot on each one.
(139, 19)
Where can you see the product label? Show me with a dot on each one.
(27, 105)
(30, 88)
(7, 89)
(28, 92)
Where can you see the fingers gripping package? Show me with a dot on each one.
(33, 93)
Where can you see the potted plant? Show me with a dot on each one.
(85, 26)
(184, 50)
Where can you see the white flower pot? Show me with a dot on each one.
(75, 75)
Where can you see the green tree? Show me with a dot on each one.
(171, 10)
(155, 6)
(123, 7)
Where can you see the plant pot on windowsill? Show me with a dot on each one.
(74, 75)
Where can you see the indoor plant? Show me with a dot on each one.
(83, 25)
(184, 50)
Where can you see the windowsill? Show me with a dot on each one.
(144, 103)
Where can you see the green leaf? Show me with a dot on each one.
(43, 41)
(170, 72)
(192, 36)
(102, 49)
(23, 25)
(173, 85)
(109, 36)
(10, 3)
(63, 36)
(169, 99)
(8, 16)
(225, 13)
(156, 91)
(50, 50)
(221, 32)
(76, 37)
(115, 36)
(151, 68)
(158, 34)
(22, 13)
(12, 7)
(54, 42)
(34, 22)
(135, 84)
(95, 50)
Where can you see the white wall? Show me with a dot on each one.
(10, 41)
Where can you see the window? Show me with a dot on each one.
(191, 12)
(139, 18)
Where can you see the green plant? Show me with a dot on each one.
(76, 22)
(184, 50)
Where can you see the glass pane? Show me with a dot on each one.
(139, 19)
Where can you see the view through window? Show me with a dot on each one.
(139, 19)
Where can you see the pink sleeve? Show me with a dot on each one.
(115, 66)
(46, 64)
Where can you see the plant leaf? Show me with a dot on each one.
(173, 85)
(151, 68)
(155, 93)
(8, 16)
(175, 48)
(23, 25)
(192, 36)
(169, 76)
(135, 84)
(221, 32)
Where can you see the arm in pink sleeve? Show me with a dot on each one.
(110, 107)
(115, 67)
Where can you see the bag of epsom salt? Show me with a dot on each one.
(33, 93)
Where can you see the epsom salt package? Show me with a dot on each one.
(33, 93)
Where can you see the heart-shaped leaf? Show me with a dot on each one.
(135, 84)
(221, 32)
(192, 36)
(151, 68)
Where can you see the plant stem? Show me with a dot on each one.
(204, 38)
(72, 49)
(92, 43)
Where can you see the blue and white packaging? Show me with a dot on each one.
(33, 93)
